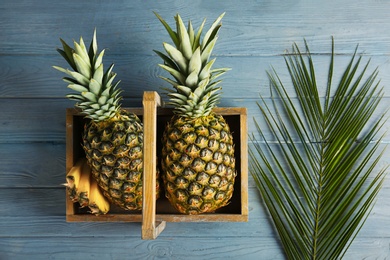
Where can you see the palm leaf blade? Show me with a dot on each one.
(316, 179)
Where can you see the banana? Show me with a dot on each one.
(98, 204)
(73, 180)
(83, 188)
(84, 185)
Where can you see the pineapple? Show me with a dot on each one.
(112, 138)
(198, 160)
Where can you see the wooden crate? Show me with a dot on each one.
(155, 214)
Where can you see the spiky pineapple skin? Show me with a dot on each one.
(114, 150)
(198, 163)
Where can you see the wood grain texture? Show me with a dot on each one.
(32, 165)
(29, 120)
(165, 248)
(33, 77)
(150, 228)
(255, 35)
(250, 28)
(47, 208)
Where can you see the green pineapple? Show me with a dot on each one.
(198, 153)
(113, 137)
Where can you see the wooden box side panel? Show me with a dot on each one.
(244, 163)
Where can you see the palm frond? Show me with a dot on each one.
(318, 178)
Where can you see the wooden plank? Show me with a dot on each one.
(37, 201)
(23, 120)
(251, 28)
(253, 36)
(123, 247)
(33, 120)
(130, 248)
(246, 80)
(45, 226)
(44, 214)
(42, 165)
(46, 207)
(32, 165)
(26, 120)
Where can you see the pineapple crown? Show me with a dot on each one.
(195, 91)
(98, 97)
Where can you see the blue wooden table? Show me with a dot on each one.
(254, 36)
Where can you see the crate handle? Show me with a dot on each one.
(150, 228)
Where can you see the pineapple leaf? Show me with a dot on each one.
(196, 43)
(176, 74)
(168, 61)
(99, 60)
(208, 50)
(212, 32)
(168, 90)
(218, 72)
(82, 67)
(62, 70)
(88, 95)
(70, 80)
(98, 74)
(80, 78)
(320, 174)
(189, 65)
(177, 98)
(195, 64)
(105, 107)
(109, 76)
(102, 100)
(184, 89)
(213, 85)
(176, 56)
(172, 82)
(205, 84)
(65, 56)
(77, 87)
(89, 79)
(81, 50)
(184, 38)
(95, 87)
(93, 49)
(192, 80)
(205, 73)
(67, 53)
(95, 106)
(199, 92)
(75, 97)
(191, 34)
(171, 33)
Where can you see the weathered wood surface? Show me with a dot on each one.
(23, 120)
(254, 37)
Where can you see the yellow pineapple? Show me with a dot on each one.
(112, 138)
(198, 152)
